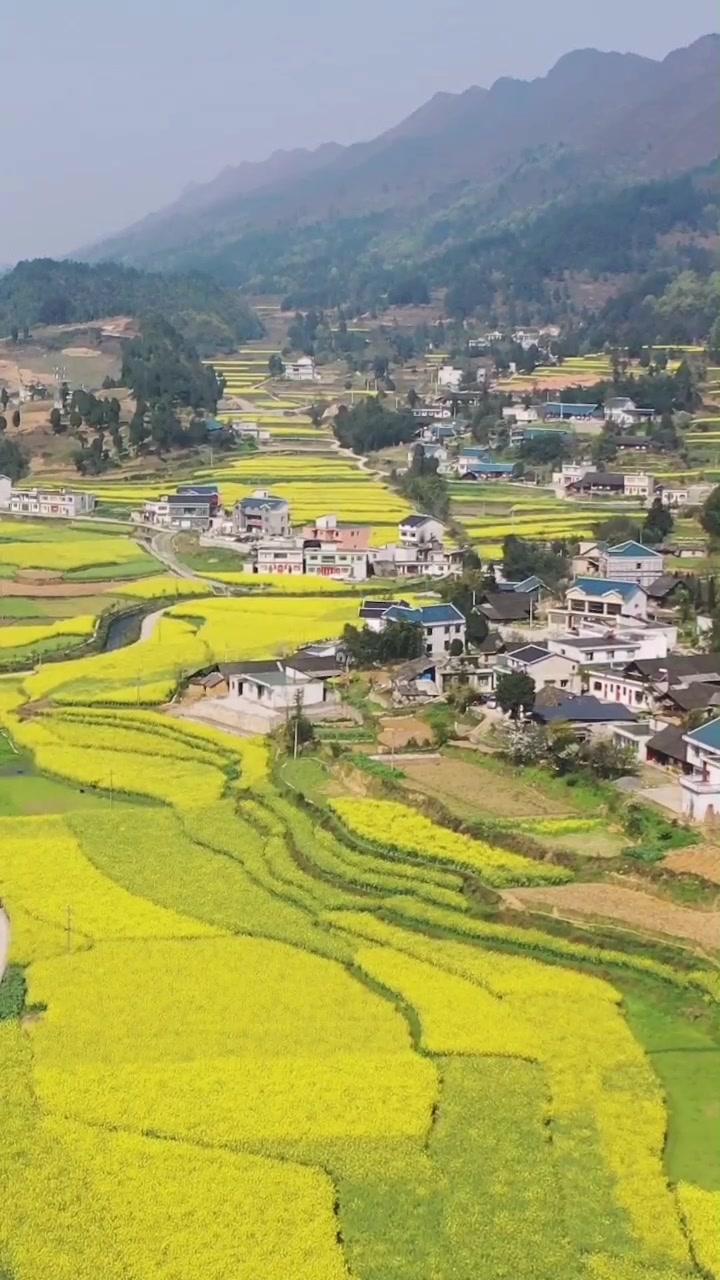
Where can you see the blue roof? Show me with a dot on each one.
(429, 615)
(604, 586)
(257, 504)
(708, 735)
(633, 550)
(474, 453)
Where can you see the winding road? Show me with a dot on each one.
(160, 545)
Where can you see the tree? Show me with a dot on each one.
(522, 558)
(276, 366)
(714, 339)
(75, 420)
(412, 398)
(4, 397)
(398, 641)
(710, 513)
(298, 729)
(515, 692)
(13, 462)
(619, 529)
(658, 523)
(16, 418)
(456, 647)
(56, 422)
(3, 422)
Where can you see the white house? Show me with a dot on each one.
(331, 561)
(265, 693)
(449, 377)
(544, 666)
(280, 555)
(616, 685)
(262, 515)
(440, 623)
(700, 788)
(610, 646)
(638, 485)
(301, 370)
(418, 530)
(5, 492)
(518, 413)
(630, 562)
(604, 598)
(39, 502)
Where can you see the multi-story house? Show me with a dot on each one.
(416, 531)
(67, 504)
(700, 785)
(600, 599)
(630, 562)
(440, 623)
(179, 511)
(326, 560)
(281, 555)
(262, 515)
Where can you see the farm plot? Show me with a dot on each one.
(629, 907)
(247, 1051)
(69, 552)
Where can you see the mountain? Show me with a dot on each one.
(499, 196)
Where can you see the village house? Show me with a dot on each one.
(349, 537)
(449, 377)
(602, 598)
(630, 562)
(280, 555)
(6, 488)
(328, 560)
(424, 678)
(521, 414)
(503, 608)
(557, 411)
(262, 515)
(544, 667)
(262, 694)
(179, 511)
(419, 530)
(440, 623)
(587, 714)
(700, 785)
(67, 504)
(301, 370)
(476, 468)
(623, 412)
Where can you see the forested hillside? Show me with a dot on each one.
(47, 292)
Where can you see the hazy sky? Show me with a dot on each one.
(110, 108)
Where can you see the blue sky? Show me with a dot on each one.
(111, 108)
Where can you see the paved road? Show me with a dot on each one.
(160, 545)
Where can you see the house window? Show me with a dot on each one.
(597, 686)
(563, 684)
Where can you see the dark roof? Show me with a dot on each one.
(669, 742)
(260, 504)
(603, 480)
(189, 499)
(248, 668)
(693, 697)
(213, 679)
(312, 665)
(678, 666)
(531, 653)
(427, 616)
(506, 606)
(493, 643)
(663, 586)
(376, 608)
(415, 521)
(551, 696)
(585, 710)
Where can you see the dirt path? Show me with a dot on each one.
(624, 906)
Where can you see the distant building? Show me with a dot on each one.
(554, 410)
(449, 377)
(630, 562)
(6, 486)
(350, 537)
(544, 667)
(484, 469)
(416, 530)
(302, 370)
(280, 555)
(603, 598)
(518, 413)
(262, 515)
(325, 560)
(700, 787)
(67, 504)
(179, 511)
(638, 485)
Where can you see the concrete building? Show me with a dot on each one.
(639, 485)
(179, 511)
(604, 598)
(6, 486)
(440, 623)
(301, 370)
(67, 504)
(449, 377)
(420, 530)
(630, 562)
(326, 560)
(544, 666)
(280, 555)
(700, 786)
(609, 647)
(262, 515)
(520, 414)
(351, 537)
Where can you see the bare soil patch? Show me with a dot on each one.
(702, 861)
(470, 792)
(623, 906)
(401, 731)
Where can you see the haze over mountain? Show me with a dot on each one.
(595, 117)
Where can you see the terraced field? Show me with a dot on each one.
(257, 1038)
(489, 512)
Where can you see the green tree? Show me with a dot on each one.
(3, 422)
(710, 513)
(515, 692)
(4, 397)
(56, 422)
(13, 461)
(658, 523)
(16, 418)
